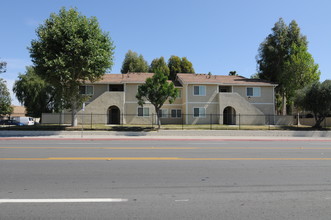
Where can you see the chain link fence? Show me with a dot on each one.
(182, 121)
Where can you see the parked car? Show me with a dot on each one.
(24, 120)
(11, 122)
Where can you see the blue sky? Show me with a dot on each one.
(217, 36)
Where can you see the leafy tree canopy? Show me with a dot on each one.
(2, 66)
(157, 90)
(284, 59)
(187, 66)
(179, 65)
(69, 50)
(159, 65)
(300, 70)
(175, 66)
(317, 99)
(5, 100)
(34, 93)
(134, 63)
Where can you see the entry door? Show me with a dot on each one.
(114, 115)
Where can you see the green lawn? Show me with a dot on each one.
(151, 128)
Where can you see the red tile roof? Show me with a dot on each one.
(191, 78)
(186, 78)
(125, 78)
(18, 111)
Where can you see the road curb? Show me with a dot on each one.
(242, 139)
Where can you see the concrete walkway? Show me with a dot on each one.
(172, 134)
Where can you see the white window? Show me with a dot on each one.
(163, 113)
(143, 111)
(86, 90)
(199, 90)
(253, 91)
(176, 113)
(199, 112)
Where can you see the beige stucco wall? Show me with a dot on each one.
(213, 101)
(99, 90)
(311, 121)
(211, 115)
(211, 93)
(265, 103)
(178, 100)
(131, 92)
(56, 118)
(170, 120)
(131, 114)
(266, 94)
(184, 99)
(100, 105)
(242, 107)
(267, 109)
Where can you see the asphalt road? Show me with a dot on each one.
(67, 179)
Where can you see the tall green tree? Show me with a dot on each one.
(5, 100)
(2, 66)
(175, 66)
(179, 65)
(69, 50)
(317, 99)
(158, 64)
(284, 59)
(300, 70)
(34, 93)
(134, 63)
(157, 90)
(187, 66)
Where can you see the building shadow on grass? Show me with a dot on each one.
(56, 130)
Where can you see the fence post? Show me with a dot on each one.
(82, 124)
(269, 121)
(91, 121)
(152, 120)
(182, 121)
(239, 121)
(59, 119)
(211, 118)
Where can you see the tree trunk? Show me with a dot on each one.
(318, 121)
(74, 122)
(298, 122)
(158, 119)
(284, 105)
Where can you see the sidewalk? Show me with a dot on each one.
(240, 135)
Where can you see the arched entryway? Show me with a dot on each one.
(229, 116)
(114, 115)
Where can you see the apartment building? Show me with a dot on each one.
(202, 99)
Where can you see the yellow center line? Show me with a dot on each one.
(178, 148)
(163, 159)
(113, 148)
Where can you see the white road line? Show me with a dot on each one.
(92, 200)
(181, 200)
